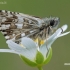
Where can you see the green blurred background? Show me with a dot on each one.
(42, 8)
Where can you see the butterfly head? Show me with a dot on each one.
(53, 22)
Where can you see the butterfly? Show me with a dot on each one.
(14, 26)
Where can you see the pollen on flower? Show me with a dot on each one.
(36, 40)
(21, 45)
(39, 42)
(42, 42)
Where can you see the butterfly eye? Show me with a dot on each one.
(52, 23)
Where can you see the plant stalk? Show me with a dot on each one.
(40, 68)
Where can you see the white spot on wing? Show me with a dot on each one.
(19, 25)
(23, 34)
(7, 37)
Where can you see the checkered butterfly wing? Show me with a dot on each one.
(15, 25)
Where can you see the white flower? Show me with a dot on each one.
(30, 50)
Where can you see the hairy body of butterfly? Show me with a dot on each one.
(15, 25)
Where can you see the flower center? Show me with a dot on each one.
(39, 42)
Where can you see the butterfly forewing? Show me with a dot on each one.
(15, 25)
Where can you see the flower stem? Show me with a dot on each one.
(40, 68)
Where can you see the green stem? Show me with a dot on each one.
(40, 68)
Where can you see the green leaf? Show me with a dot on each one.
(29, 62)
(48, 56)
(39, 58)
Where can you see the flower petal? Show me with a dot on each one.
(8, 51)
(64, 34)
(43, 49)
(27, 52)
(28, 43)
(30, 46)
(53, 37)
(12, 45)
(48, 57)
(64, 27)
